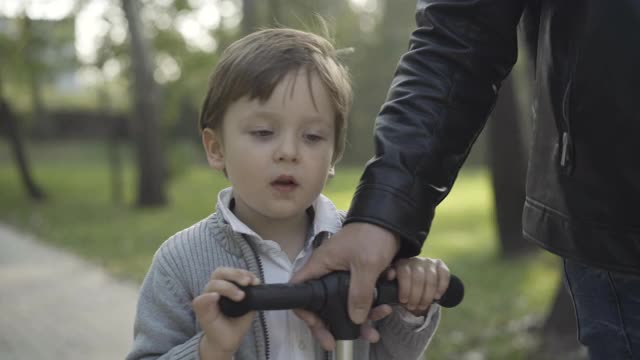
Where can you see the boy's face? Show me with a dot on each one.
(277, 154)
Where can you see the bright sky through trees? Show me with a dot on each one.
(91, 23)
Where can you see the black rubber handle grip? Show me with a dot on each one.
(320, 296)
(309, 295)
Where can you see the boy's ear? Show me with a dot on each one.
(213, 148)
(332, 171)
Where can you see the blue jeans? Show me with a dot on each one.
(607, 310)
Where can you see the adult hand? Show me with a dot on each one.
(365, 250)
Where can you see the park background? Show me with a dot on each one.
(100, 152)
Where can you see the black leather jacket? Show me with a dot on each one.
(583, 188)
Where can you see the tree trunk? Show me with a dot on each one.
(377, 61)
(9, 125)
(559, 332)
(115, 166)
(114, 136)
(561, 318)
(249, 16)
(41, 124)
(151, 162)
(506, 161)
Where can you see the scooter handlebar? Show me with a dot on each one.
(313, 295)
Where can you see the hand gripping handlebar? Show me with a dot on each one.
(327, 297)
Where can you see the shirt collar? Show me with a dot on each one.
(325, 217)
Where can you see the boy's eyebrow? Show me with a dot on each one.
(272, 115)
(266, 114)
(259, 114)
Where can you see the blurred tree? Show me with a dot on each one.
(151, 161)
(182, 70)
(507, 164)
(181, 62)
(31, 42)
(104, 53)
(36, 53)
(559, 331)
(384, 32)
(10, 128)
(274, 12)
(249, 16)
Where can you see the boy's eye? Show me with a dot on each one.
(313, 137)
(261, 133)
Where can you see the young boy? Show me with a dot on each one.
(274, 121)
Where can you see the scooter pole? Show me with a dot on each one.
(344, 350)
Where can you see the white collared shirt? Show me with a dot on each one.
(290, 338)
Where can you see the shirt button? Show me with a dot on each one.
(301, 345)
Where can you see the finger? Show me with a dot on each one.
(317, 328)
(444, 277)
(430, 288)
(391, 274)
(404, 282)
(225, 288)
(307, 316)
(239, 276)
(361, 286)
(324, 337)
(425, 302)
(417, 287)
(369, 333)
(380, 312)
(313, 269)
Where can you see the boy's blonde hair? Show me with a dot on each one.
(254, 65)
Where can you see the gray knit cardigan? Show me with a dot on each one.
(165, 324)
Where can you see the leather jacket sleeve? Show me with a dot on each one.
(443, 90)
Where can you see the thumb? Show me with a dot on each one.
(206, 307)
(316, 267)
(361, 290)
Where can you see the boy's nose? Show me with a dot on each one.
(287, 150)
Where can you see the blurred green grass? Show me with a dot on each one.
(504, 298)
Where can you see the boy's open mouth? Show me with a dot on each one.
(284, 183)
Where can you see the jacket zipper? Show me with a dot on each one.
(328, 355)
(566, 155)
(261, 317)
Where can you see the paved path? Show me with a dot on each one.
(56, 306)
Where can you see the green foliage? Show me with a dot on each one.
(504, 299)
(34, 51)
(378, 34)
